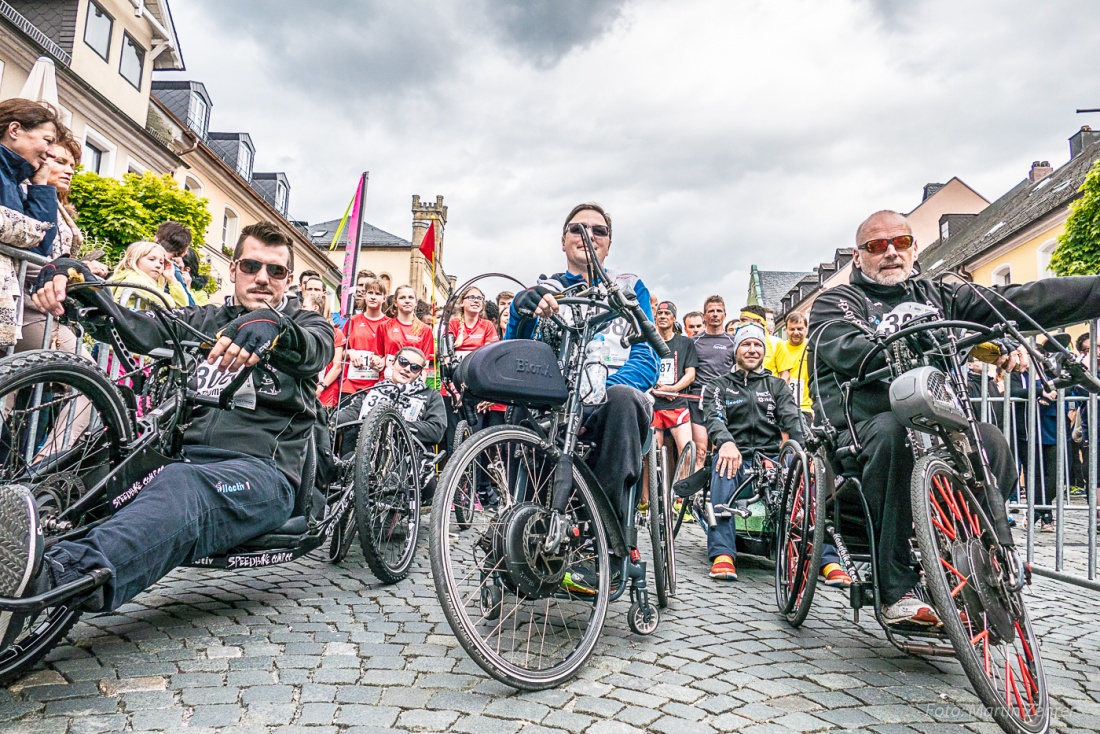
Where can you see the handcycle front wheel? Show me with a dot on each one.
(387, 494)
(975, 596)
(63, 426)
(501, 588)
(800, 534)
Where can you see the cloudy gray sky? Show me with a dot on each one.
(719, 133)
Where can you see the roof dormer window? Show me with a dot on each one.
(244, 162)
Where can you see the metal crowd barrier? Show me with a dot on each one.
(1072, 555)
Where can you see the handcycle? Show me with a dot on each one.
(79, 443)
(777, 516)
(969, 567)
(499, 575)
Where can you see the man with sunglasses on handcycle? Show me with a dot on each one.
(218, 497)
(618, 427)
(884, 275)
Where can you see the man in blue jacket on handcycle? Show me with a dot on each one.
(619, 427)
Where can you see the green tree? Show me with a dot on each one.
(1078, 251)
(114, 214)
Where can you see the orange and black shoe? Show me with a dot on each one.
(723, 569)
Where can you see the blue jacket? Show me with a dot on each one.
(640, 366)
(40, 202)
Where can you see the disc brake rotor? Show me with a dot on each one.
(982, 593)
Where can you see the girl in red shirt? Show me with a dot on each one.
(469, 330)
(366, 355)
(405, 330)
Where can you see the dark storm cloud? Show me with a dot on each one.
(544, 31)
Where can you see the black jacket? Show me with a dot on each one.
(841, 317)
(428, 427)
(752, 409)
(286, 407)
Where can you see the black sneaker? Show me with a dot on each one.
(20, 551)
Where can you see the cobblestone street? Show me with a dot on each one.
(316, 648)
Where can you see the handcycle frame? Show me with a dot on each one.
(561, 511)
(154, 440)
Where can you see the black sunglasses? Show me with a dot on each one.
(249, 266)
(598, 230)
(877, 247)
(413, 367)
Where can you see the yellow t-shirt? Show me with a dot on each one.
(788, 357)
(771, 343)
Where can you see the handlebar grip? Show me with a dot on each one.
(649, 331)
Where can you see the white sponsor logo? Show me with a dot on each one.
(136, 487)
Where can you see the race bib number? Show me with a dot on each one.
(897, 319)
(412, 411)
(366, 372)
(209, 382)
(667, 375)
(370, 401)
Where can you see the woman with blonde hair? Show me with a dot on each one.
(143, 264)
(404, 329)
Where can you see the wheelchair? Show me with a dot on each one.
(503, 571)
(79, 443)
(776, 513)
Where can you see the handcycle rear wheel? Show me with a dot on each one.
(63, 425)
(345, 527)
(387, 494)
(685, 463)
(800, 533)
(657, 537)
(499, 586)
(986, 620)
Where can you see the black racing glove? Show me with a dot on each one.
(527, 301)
(76, 270)
(256, 331)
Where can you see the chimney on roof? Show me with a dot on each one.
(931, 189)
(1082, 139)
(1039, 171)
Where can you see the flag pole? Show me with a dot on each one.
(431, 305)
(351, 264)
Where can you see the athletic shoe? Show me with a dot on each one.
(583, 579)
(643, 507)
(723, 569)
(834, 575)
(20, 551)
(910, 610)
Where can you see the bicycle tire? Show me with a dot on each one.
(800, 533)
(666, 517)
(464, 498)
(466, 574)
(978, 609)
(387, 494)
(683, 463)
(104, 443)
(656, 529)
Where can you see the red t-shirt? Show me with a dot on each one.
(363, 334)
(330, 394)
(467, 339)
(396, 335)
